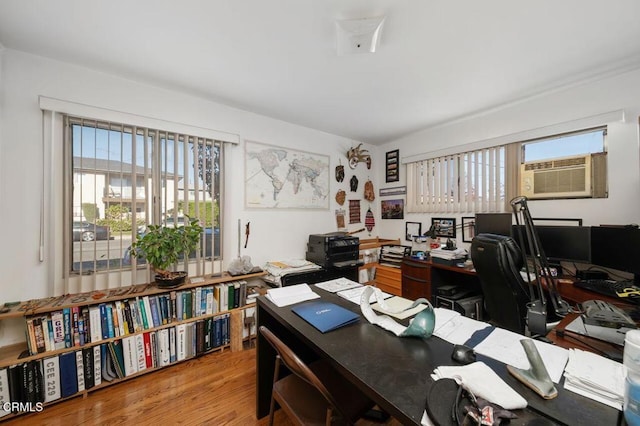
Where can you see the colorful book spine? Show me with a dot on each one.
(57, 321)
(68, 338)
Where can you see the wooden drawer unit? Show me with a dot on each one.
(416, 279)
(389, 279)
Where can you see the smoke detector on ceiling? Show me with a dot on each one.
(358, 35)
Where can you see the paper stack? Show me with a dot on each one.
(458, 253)
(595, 377)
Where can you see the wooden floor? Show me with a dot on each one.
(216, 389)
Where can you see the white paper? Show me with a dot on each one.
(596, 377)
(355, 294)
(459, 329)
(504, 346)
(337, 285)
(397, 307)
(285, 296)
(384, 321)
(443, 316)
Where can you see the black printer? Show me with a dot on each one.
(337, 253)
(333, 250)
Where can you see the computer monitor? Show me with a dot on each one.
(562, 243)
(493, 223)
(616, 248)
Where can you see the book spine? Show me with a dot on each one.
(97, 365)
(87, 363)
(172, 345)
(148, 350)
(80, 370)
(68, 330)
(75, 327)
(155, 312)
(122, 327)
(110, 330)
(104, 321)
(57, 320)
(85, 334)
(140, 352)
(95, 324)
(147, 311)
(130, 325)
(39, 335)
(143, 314)
(68, 374)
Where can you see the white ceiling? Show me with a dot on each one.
(437, 61)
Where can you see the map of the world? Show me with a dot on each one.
(277, 177)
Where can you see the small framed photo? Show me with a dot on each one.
(412, 229)
(392, 166)
(445, 227)
(468, 229)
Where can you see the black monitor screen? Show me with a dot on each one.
(570, 243)
(493, 223)
(616, 248)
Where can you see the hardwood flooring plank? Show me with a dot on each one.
(216, 389)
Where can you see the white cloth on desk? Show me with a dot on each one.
(483, 382)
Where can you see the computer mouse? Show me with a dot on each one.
(463, 354)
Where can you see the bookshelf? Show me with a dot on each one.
(200, 317)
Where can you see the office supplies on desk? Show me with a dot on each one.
(286, 296)
(398, 307)
(607, 334)
(355, 294)
(595, 377)
(325, 316)
(599, 312)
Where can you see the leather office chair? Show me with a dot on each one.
(315, 394)
(498, 260)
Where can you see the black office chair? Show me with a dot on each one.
(498, 260)
(315, 394)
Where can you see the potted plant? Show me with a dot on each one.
(163, 246)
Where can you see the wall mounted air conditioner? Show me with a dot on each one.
(566, 177)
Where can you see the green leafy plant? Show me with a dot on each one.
(164, 246)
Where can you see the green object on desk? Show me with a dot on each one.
(423, 323)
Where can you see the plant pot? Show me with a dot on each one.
(174, 279)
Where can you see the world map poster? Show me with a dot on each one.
(277, 177)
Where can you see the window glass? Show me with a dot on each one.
(573, 144)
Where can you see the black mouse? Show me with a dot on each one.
(463, 354)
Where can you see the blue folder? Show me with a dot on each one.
(325, 316)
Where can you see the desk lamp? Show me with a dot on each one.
(537, 307)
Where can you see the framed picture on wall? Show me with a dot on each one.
(391, 164)
(445, 227)
(468, 229)
(411, 229)
(392, 209)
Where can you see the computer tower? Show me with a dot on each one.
(469, 306)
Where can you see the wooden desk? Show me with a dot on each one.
(421, 278)
(395, 372)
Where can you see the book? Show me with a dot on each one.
(75, 330)
(97, 365)
(89, 367)
(140, 352)
(117, 356)
(16, 387)
(68, 374)
(106, 363)
(172, 345)
(104, 322)
(4, 391)
(129, 355)
(155, 311)
(57, 320)
(95, 324)
(325, 316)
(181, 343)
(80, 370)
(51, 379)
(148, 355)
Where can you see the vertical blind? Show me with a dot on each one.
(123, 178)
(471, 181)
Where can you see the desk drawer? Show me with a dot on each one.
(389, 279)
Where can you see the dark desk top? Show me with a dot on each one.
(395, 372)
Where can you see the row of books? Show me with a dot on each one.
(60, 376)
(79, 325)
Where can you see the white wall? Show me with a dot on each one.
(275, 234)
(586, 100)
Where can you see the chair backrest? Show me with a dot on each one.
(498, 260)
(299, 368)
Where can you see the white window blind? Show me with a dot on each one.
(471, 181)
(121, 178)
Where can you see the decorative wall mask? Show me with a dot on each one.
(357, 154)
(369, 221)
(369, 193)
(353, 183)
(340, 173)
(340, 197)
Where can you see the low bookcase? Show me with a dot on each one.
(78, 343)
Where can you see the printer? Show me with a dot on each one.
(337, 253)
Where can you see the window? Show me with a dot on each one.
(122, 178)
(573, 144)
(466, 182)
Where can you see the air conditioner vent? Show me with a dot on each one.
(557, 178)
